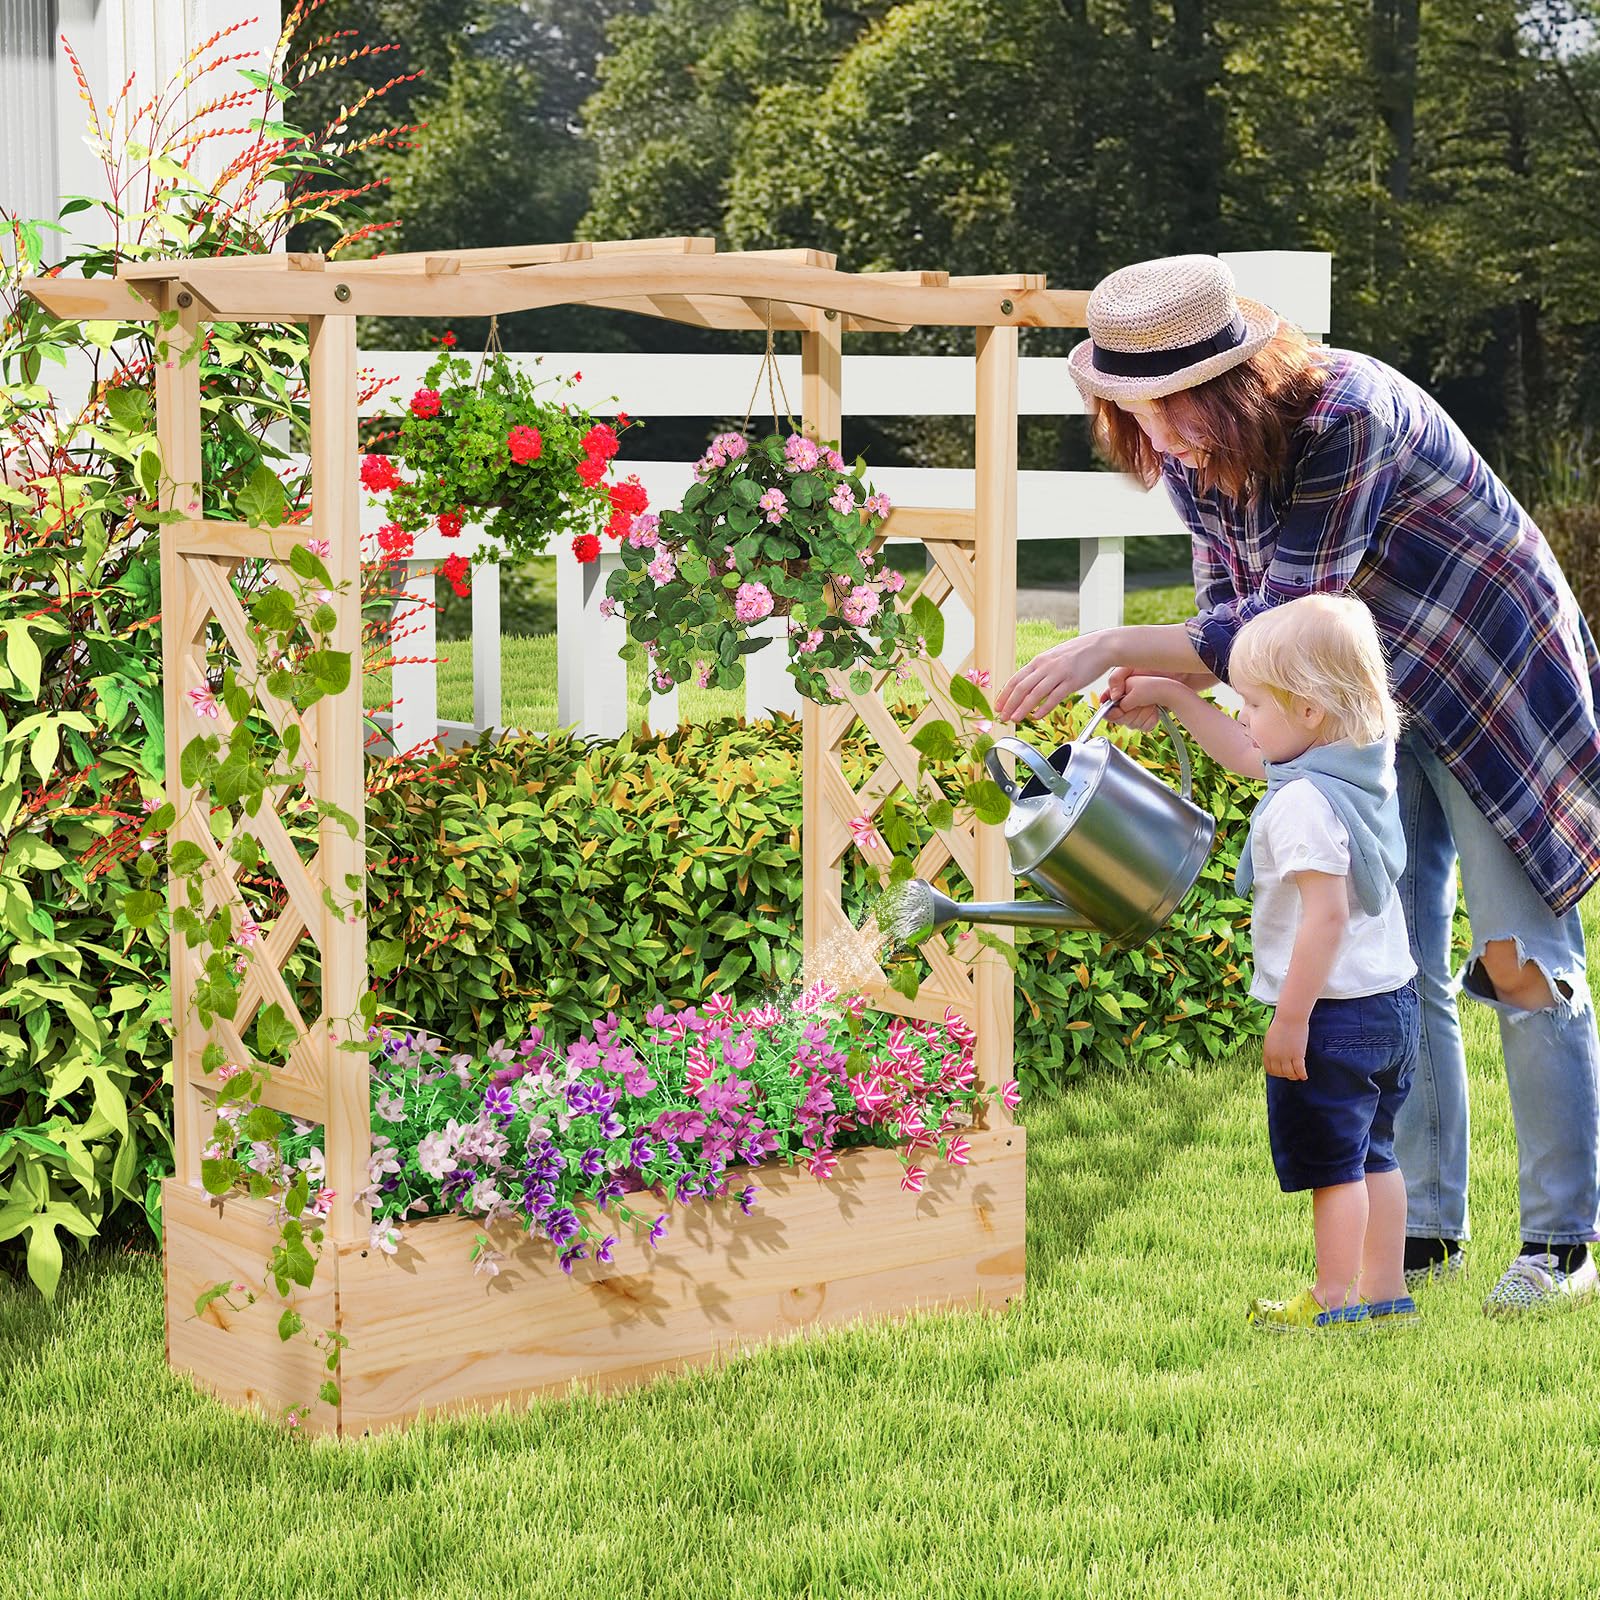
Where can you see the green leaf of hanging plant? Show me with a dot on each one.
(262, 501)
(929, 622)
(987, 800)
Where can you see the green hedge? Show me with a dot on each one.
(553, 880)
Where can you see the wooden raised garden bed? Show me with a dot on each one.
(425, 1333)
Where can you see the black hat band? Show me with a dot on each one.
(1161, 363)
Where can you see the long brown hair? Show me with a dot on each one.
(1242, 420)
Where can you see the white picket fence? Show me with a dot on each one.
(1100, 511)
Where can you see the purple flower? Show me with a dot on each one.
(604, 1249)
(747, 1200)
(658, 1231)
(561, 1224)
(656, 1017)
(497, 1103)
(593, 1162)
(576, 1253)
(636, 1080)
(584, 1055)
(688, 1188)
(640, 1153)
(608, 1191)
(584, 1099)
(611, 1126)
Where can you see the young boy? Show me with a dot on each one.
(1331, 954)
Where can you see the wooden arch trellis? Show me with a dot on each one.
(966, 1247)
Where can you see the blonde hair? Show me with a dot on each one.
(1323, 648)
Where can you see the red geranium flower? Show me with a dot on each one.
(449, 339)
(379, 473)
(629, 495)
(591, 470)
(620, 524)
(600, 441)
(450, 522)
(525, 444)
(455, 571)
(425, 403)
(586, 547)
(393, 540)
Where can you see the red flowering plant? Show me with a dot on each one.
(497, 446)
(782, 527)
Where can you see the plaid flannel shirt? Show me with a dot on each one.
(1492, 662)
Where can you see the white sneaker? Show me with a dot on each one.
(1531, 1282)
(1420, 1277)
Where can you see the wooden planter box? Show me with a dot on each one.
(428, 1334)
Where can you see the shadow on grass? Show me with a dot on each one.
(1103, 1143)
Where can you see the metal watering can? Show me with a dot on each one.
(1112, 846)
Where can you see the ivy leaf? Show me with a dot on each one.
(141, 907)
(262, 501)
(219, 1176)
(929, 621)
(275, 1034)
(970, 697)
(987, 800)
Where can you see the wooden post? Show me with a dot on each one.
(177, 389)
(337, 776)
(822, 412)
(995, 651)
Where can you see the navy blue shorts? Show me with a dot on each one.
(1338, 1125)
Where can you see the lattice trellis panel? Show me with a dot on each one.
(972, 560)
(951, 980)
(204, 624)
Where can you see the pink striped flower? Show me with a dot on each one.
(914, 1179)
(958, 1152)
(320, 548)
(1011, 1095)
(823, 1164)
(205, 703)
(864, 834)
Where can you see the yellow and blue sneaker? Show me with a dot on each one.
(1304, 1314)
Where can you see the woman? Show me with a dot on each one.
(1300, 470)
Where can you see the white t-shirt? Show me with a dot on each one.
(1297, 830)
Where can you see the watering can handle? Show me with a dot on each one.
(1036, 763)
(1185, 772)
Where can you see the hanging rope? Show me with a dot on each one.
(769, 366)
(492, 343)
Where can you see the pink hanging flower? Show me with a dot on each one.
(322, 548)
(645, 531)
(894, 581)
(862, 606)
(914, 1179)
(205, 703)
(775, 503)
(976, 675)
(753, 602)
(664, 568)
(864, 834)
(877, 505)
(1011, 1095)
(958, 1152)
(842, 500)
(730, 445)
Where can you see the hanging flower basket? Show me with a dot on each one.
(776, 528)
(500, 448)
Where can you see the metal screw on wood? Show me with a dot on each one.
(832, 316)
(341, 291)
(1005, 308)
(185, 299)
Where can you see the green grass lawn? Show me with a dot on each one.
(1118, 1433)
(528, 669)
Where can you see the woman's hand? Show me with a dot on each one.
(1284, 1048)
(1050, 677)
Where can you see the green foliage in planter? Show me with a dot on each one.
(550, 880)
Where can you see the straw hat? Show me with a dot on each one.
(1160, 326)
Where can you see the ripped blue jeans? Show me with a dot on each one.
(1552, 1056)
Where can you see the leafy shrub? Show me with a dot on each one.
(546, 880)
(1574, 535)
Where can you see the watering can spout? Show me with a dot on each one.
(922, 908)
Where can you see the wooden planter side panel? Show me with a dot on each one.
(427, 1334)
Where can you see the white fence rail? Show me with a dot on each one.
(1100, 511)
